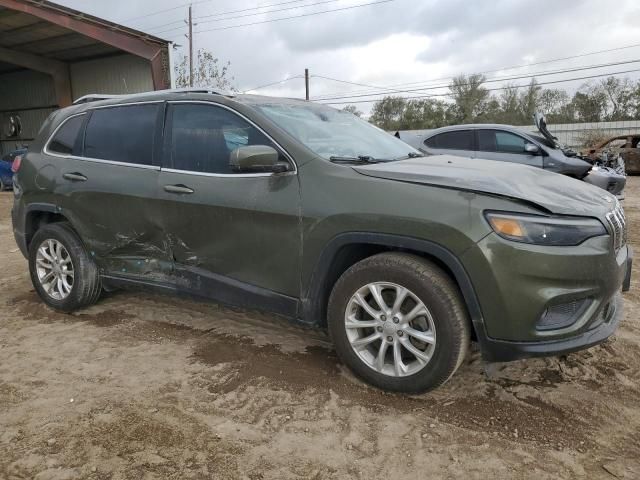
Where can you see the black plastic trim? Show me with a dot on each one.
(197, 282)
(505, 351)
(313, 308)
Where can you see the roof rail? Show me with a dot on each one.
(212, 91)
(94, 97)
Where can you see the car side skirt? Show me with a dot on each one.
(196, 282)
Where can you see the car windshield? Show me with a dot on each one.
(332, 133)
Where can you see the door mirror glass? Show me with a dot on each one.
(256, 159)
(531, 148)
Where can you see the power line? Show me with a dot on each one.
(254, 14)
(220, 14)
(589, 77)
(513, 67)
(296, 16)
(498, 79)
(272, 83)
(157, 12)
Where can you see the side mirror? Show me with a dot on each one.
(531, 148)
(256, 159)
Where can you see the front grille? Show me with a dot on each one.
(618, 225)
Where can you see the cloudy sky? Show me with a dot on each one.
(392, 44)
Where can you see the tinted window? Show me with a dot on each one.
(65, 140)
(203, 136)
(500, 141)
(122, 134)
(457, 140)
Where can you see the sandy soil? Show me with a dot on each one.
(143, 386)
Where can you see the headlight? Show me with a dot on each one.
(544, 230)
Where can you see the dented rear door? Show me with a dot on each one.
(109, 190)
(236, 227)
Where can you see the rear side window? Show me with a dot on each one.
(203, 136)
(122, 134)
(457, 140)
(66, 140)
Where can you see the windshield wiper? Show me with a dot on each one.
(358, 159)
(411, 155)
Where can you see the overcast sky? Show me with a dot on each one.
(391, 43)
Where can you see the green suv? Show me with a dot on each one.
(311, 213)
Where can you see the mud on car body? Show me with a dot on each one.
(314, 214)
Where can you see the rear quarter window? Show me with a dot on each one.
(66, 140)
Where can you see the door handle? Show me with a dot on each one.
(179, 189)
(74, 177)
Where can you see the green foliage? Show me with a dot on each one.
(352, 109)
(611, 99)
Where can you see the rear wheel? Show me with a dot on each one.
(398, 321)
(63, 274)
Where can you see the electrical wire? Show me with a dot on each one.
(295, 16)
(551, 82)
(498, 79)
(220, 14)
(513, 67)
(272, 83)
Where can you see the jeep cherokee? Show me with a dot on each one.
(298, 209)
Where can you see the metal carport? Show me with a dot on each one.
(50, 55)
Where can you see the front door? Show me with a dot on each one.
(235, 237)
(506, 147)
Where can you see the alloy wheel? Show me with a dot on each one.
(54, 269)
(390, 329)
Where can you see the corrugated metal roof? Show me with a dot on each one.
(27, 33)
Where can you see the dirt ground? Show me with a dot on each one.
(143, 386)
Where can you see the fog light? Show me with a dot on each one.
(563, 314)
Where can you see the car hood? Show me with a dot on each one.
(550, 191)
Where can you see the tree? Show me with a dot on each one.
(528, 101)
(619, 94)
(207, 72)
(469, 96)
(352, 109)
(589, 104)
(387, 113)
(553, 103)
(509, 105)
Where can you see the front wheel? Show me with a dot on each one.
(63, 274)
(399, 322)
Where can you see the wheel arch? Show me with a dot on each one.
(38, 215)
(347, 249)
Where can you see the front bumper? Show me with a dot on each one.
(505, 351)
(517, 284)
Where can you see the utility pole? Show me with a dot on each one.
(190, 48)
(306, 83)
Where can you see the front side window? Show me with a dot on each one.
(203, 136)
(456, 140)
(500, 141)
(332, 133)
(122, 134)
(65, 141)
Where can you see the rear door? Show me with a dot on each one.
(107, 185)
(231, 231)
(506, 146)
(455, 142)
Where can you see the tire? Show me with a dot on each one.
(445, 314)
(83, 288)
(2, 186)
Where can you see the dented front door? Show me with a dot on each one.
(240, 227)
